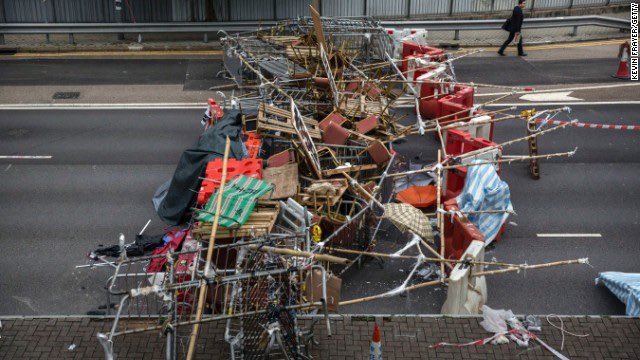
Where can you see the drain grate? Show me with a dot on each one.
(66, 95)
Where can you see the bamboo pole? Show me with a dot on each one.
(383, 64)
(298, 253)
(514, 88)
(427, 260)
(212, 239)
(489, 148)
(439, 215)
(532, 267)
(505, 159)
(483, 273)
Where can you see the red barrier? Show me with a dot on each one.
(253, 144)
(458, 232)
(450, 105)
(458, 143)
(411, 48)
(248, 167)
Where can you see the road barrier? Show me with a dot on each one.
(207, 28)
(251, 167)
(458, 143)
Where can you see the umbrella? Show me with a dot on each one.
(406, 217)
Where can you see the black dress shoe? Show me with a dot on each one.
(501, 53)
(523, 54)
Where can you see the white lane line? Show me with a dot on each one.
(595, 87)
(103, 106)
(159, 106)
(565, 235)
(568, 103)
(583, 103)
(25, 157)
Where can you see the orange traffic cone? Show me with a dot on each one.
(623, 67)
(375, 350)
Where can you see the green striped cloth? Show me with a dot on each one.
(238, 200)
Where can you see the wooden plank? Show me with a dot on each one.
(352, 168)
(284, 179)
(260, 222)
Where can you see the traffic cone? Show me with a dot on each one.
(375, 350)
(623, 67)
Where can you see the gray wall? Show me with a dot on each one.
(42, 11)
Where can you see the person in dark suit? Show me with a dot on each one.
(514, 27)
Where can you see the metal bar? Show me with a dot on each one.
(450, 7)
(239, 26)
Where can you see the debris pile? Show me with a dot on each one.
(288, 185)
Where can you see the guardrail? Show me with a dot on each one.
(240, 26)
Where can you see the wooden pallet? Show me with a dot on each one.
(260, 222)
(283, 122)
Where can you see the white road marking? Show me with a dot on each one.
(595, 87)
(103, 106)
(561, 235)
(8, 167)
(551, 96)
(25, 157)
(568, 103)
(521, 104)
(171, 106)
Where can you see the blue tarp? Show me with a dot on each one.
(625, 286)
(483, 190)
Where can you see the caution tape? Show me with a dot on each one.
(590, 126)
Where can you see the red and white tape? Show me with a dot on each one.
(589, 126)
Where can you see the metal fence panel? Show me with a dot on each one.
(147, 10)
(471, 6)
(28, 11)
(505, 5)
(429, 7)
(290, 9)
(553, 4)
(83, 11)
(97, 11)
(251, 10)
(343, 8)
(191, 10)
(588, 2)
(386, 8)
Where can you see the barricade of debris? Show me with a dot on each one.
(288, 185)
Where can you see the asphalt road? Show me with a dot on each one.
(105, 168)
(195, 74)
(107, 164)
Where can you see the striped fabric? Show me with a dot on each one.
(625, 286)
(238, 200)
(590, 126)
(483, 190)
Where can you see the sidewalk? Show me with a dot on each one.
(402, 337)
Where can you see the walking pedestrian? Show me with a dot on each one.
(514, 25)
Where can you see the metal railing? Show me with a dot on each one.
(240, 26)
(160, 11)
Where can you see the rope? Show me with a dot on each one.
(562, 330)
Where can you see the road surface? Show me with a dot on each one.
(106, 164)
